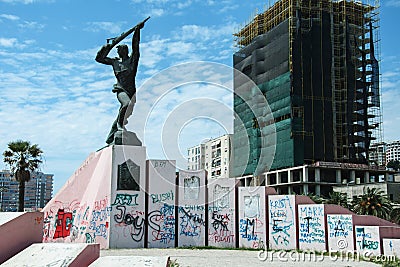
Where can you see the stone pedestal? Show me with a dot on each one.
(102, 202)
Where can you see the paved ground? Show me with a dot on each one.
(229, 258)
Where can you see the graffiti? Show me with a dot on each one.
(220, 221)
(126, 199)
(191, 187)
(162, 223)
(311, 227)
(221, 197)
(367, 238)
(63, 224)
(190, 223)
(38, 220)
(252, 206)
(160, 163)
(156, 198)
(134, 221)
(61, 262)
(89, 238)
(248, 228)
(282, 222)
(100, 204)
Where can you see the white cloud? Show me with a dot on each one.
(8, 42)
(31, 25)
(9, 17)
(156, 12)
(26, 1)
(111, 27)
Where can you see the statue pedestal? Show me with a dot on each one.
(123, 137)
(102, 202)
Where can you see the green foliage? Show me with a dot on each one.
(338, 198)
(372, 202)
(316, 199)
(394, 164)
(395, 215)
(22, 158)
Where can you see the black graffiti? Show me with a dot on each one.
(308, 223)
(135, 221)
(339, 229)
(194, 217)
(220, 220)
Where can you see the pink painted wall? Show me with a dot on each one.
(80, 211)
(87, 256)
(19, 233)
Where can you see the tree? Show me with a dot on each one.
(393, 164)
(23, 158)
(395, 215)
(315, 198)
(338, 198)
(372, 202)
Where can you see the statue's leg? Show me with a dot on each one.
(124, 99)
(114, 128)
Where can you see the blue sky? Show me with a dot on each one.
(54, 94)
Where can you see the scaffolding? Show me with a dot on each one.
(346, 92)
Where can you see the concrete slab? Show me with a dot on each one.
(56, 254)
(19, 230)
(133, 261)
(233, 258)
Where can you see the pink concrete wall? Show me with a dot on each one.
(87, 256)
(80, 211)
(19, 233)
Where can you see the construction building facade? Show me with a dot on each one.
(317, 64)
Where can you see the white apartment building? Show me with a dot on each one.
(196, 157)
(393, 151)
(377, 154)
(214, 156)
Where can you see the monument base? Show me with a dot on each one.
(126, 138)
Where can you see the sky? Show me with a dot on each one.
(54, 94)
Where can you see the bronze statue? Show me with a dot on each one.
(125, 68)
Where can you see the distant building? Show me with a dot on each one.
(393, 151)
(196, 157)
(377, 154)
(391, 189)
(212, 156)
(38, 191)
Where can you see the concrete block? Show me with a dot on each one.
(311, 223)
(56, 254)
(19, 230)
(133, 261)
(340, 232)
(368, 239)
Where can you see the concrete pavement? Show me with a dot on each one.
(230, 258)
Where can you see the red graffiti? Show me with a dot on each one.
(63, 224)
(38, 220)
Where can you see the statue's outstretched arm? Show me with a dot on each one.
(102, 54)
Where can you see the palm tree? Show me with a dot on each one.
(395, 215)
(372, 202)
(23, 158)
(338, 198)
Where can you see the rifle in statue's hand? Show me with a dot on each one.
(116, 40)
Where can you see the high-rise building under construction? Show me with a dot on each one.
(316, 63)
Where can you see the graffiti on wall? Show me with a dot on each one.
(282, 225)
(340, 232)
(391, 247)
(221, 228)
(162, 225)
(192, 220)
(368, 239)
(191, 188)
(251, 225)
(128, 217)
(77, 222)
(311, 227)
